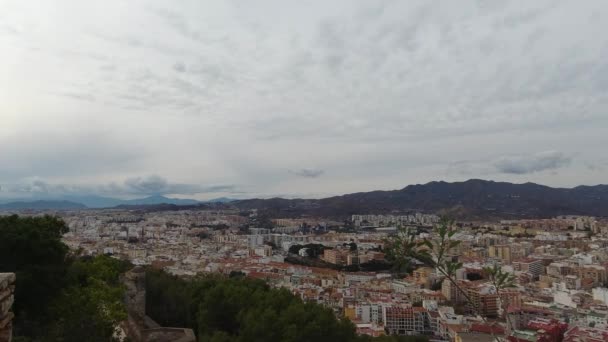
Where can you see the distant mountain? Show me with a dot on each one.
(220, 200)
(157, 199)
(42, 205)
(93, 201)
(470, 199)
(108, 202)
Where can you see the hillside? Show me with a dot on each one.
(470, 199)
(42, 205)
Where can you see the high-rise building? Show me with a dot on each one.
(502, 252)
(532, 266)
(406, 320)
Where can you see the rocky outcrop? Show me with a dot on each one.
(7, 290)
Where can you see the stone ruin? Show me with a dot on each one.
(139, 327)
(7, 289)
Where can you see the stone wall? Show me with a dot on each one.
(7, 288)
(135, 292)
(138, 326)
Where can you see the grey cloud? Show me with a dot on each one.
(520, 164)
(78, 96)
(179, 67)
(597, 165)
(32, 186)
(52, 154)
(308, 173)
(8, 29)
(524, 164)
(179, 23)
(156, 185)
(39, 187)
(147, 185)
(135, 186)
(461, 81)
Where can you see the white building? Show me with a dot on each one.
(600, 294)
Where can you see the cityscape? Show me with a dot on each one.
(303, 171)
(558, 265)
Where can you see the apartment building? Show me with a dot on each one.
(336, 256)
(532, 266)
(406, 320)
(502, 252)
(484, 298)
(596, 273)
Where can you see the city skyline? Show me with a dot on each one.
(203, 100)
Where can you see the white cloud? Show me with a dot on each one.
(130, 187)
(375, 95)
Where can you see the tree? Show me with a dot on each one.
(59, 296)
(435, 253)
(32, 248)
(236, 274)
(240, 309)
(90, 307)
(314, 249)
(501, 280)
(294, 249)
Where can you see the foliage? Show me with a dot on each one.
(32, 248)
(500, 279)
(403, 249)
(235, 274)
(352, 246)
(437, 253)
(92, 302)
(262, 220)
(58, 296)
(314, 249)
(225, 309)
(294, 249)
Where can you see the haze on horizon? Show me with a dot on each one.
(204, 99)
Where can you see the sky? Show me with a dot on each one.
(202, 99)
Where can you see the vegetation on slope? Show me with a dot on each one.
(59, 296)
(221, 308)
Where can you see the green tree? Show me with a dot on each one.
(437, 253)
(294, 249)
(59, 296)
(32, 248)
(239, 309)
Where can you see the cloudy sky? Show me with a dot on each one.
(204, 99)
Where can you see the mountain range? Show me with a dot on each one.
(92, 201)
(472, 199)
(42, 205)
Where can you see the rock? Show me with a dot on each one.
(4, 322)
(5, 305)
(6, 279)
